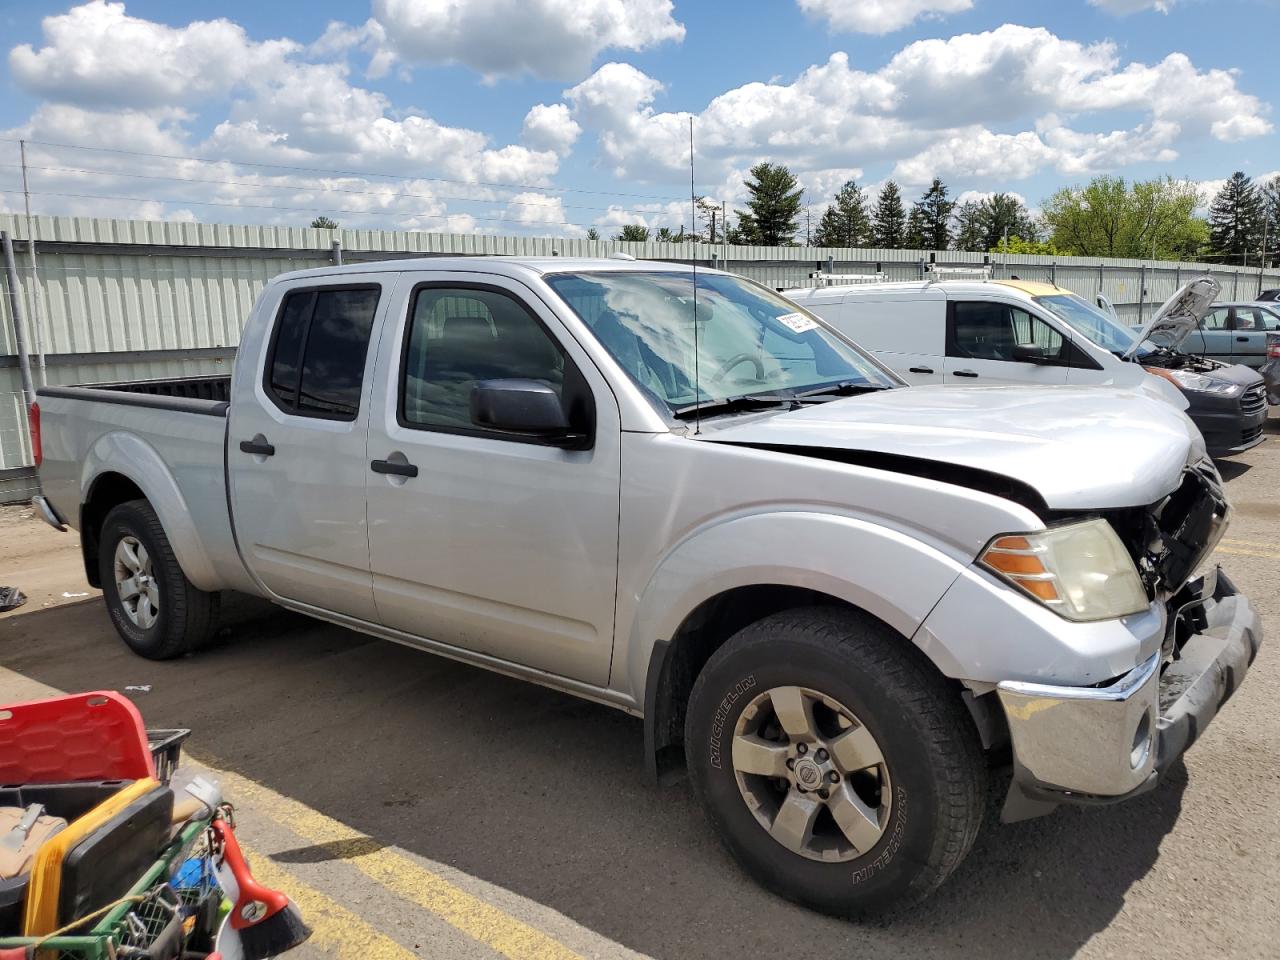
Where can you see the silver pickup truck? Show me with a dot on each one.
(842, 603)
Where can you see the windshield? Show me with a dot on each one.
(1091, 322)
(750, 341)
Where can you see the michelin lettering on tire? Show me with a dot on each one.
(863, 874)
(722, 714)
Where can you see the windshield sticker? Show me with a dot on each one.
(797, 322)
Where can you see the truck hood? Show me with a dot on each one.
(1179, 315)
(1078, 448)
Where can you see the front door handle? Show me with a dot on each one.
(393, 468)
(258, 446)
(1242, 339)
(920, 369)
(963, 373)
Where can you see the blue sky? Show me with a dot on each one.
(550, 116)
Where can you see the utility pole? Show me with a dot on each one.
(713, 224)
(37, 313)
(15, 311)
(1262, 260)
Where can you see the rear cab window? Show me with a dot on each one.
(315, 366)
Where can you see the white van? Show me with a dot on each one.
(978, 331)
(967, 332)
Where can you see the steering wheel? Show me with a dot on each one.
(737, 360)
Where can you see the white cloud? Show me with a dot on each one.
(879, 16)
(558, 39)
(111, 80)
(977, 196)
(97, 54)
(282, 107)
(1123, 8)
(984, 104)
(550, 127)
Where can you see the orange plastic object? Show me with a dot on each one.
(40, 913)
(85, 736)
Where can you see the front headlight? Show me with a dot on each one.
(1196, 382)
(1080, 571)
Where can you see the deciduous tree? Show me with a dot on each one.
(1109, 217)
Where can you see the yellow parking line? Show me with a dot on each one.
(402, 876)
(1246, 543)
(333, 927)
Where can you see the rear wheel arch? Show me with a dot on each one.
(108, 490)
(675, 664)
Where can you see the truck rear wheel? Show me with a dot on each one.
(157, 611)
(836, 765)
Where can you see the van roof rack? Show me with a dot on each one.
(934, 273)
(821, 278)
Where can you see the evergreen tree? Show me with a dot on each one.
(1271, 210)
(915, 228)
(635, 232)
(773, 211)
(845, 223)
(1003, 215)
(324, 223)
(593, 233)
(889, 221)
(970, 233)
(929, 226)
(1235, 219)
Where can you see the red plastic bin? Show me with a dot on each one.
(84, 736)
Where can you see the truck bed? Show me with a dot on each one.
(167, 437)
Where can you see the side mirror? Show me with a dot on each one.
(529, 408)
(1029, 353)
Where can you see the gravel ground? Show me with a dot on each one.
(544, 797)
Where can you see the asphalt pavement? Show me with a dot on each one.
(419, 807)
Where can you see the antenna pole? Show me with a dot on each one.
(693, 203)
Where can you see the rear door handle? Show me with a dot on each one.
(920, 369)
(258, 446)
(393, 468)
(963, 373)
(1242, 339)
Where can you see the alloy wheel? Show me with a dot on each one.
(135, 582)
(812, 774)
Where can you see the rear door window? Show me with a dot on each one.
(317, 359)
(1215, 319)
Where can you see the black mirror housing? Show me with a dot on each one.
(1030, 353)
(529, 408)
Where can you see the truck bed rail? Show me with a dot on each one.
(208, 396)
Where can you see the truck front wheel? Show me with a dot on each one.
(836, 765)
(158, 612)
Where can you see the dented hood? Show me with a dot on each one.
(1080, 448)
(1179, 315)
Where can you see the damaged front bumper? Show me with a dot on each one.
(1105, 744)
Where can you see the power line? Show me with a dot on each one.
(320, 189)
(341, 173)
